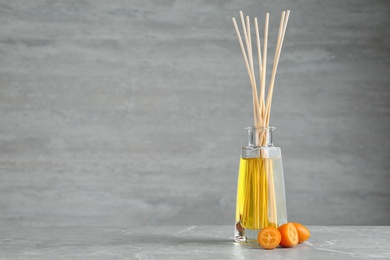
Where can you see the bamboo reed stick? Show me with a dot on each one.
(248, 33)
(264, 65)
(278, 50)
(272, 196)
(261, 104)
(274, 68)
(254, 86)
(246, 64)
(250, 59)
(264, 188)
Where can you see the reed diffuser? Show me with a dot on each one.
(261, 200)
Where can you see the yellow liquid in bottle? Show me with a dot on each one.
(256, 204)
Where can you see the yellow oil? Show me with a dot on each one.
(256, 203)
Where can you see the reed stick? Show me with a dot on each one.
(250, 59)
(278, 50)
(263, 188)
(254, 86)
(248, 33)
(261, 104)
(273, 220)
(246, 64)
(264, 65)
(243, 24)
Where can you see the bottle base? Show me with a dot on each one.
(245, 235)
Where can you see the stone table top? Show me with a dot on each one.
(185, 242)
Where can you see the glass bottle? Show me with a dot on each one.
(261, 199)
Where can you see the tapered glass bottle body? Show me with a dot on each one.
(261, 200)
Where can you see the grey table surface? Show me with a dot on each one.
(185, 242)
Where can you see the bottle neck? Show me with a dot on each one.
(260, 136)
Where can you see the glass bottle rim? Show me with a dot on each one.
(261, 128)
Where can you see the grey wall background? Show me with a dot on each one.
(133, 112)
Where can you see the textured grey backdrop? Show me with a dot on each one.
(133, 112)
